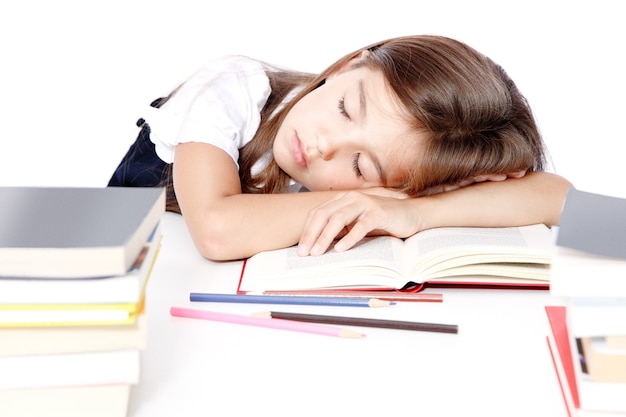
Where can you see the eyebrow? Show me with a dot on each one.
(362, 100)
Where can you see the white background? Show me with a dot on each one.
(75, 74)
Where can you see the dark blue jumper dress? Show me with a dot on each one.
(141, 167)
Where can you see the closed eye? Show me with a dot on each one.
(342, 108)
(355, 165)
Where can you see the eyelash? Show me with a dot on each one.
(355, 162)
(355, 165)
(342, 108)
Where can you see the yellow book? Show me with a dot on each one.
(63, 313)
(40, 315)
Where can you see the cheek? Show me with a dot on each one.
(338, 182)
(280, 154)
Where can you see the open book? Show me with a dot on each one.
(510, 256)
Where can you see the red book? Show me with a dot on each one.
(558, 342)
(507, 257)
(582, 395)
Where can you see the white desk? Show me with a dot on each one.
(498, 364)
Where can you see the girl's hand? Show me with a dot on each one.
(474, 180)
(355, 214)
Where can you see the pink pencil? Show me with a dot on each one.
(294, 326)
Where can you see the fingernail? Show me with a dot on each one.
(301, 250)
(316, 250)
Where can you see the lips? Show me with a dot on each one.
(299, 156)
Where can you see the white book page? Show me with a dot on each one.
(436, 250)
(371, 262)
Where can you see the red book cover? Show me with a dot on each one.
(562, 357)
(524, 285)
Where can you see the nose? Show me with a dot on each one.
(326, 147)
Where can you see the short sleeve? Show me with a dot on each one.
(219, 105)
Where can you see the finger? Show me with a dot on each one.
(517, 174)
(385, 192)
(313, 227)
(355, 234)
(432, 190)
(371, 221)
(491, 177)
(351, 223)
(321, 223)
(336, 226)
(353, 220)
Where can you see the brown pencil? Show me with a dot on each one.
(365, 322)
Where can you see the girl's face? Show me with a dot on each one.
(349, 133)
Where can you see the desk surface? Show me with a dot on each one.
(498, 364)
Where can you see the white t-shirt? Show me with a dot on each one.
(220, 105)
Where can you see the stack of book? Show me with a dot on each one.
(588, 339)
(74, 265)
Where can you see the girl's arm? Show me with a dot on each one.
(537, 197)
(226, 224)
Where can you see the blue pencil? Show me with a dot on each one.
(290, 299)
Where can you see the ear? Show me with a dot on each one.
(350, 63)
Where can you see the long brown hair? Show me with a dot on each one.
(475, 119)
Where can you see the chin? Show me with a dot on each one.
(305, 185)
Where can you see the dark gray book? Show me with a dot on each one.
(74, 232)
(593, 223)
(590, 252)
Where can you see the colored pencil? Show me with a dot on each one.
(290, 299)
(381, 295)
(265, 322)
(365, 322)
